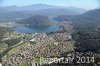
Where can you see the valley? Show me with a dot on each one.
(50, 34)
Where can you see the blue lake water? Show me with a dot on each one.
(25, 29)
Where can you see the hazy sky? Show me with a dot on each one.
(87, 4)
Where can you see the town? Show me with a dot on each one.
(33, 46)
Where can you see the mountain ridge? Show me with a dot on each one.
(89, 17)
(35, 9)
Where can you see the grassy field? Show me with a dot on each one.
(2, 46)
(24, 64)
(17, 49)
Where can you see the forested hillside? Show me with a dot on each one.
(87, 26)
(36, 21)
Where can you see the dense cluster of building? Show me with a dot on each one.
(41, 45)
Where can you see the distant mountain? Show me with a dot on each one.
(78, 10)
(36, 21)
(56, 12)
(34, 7)
(92, 16)
(15, 12)
(16, 15)
(37, 7)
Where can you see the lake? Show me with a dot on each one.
(25, 29)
